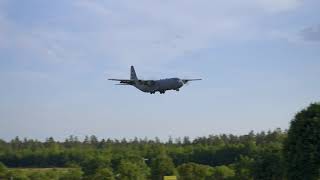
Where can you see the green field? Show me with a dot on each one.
(35, 170)
(40, 173)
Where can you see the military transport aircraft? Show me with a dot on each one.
(152, 86)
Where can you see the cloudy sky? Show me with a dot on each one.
(260, 61)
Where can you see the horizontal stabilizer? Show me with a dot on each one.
(187, 80)
(192, 79)
(124, 81)
(120, 80)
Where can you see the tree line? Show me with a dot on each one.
(276, 154)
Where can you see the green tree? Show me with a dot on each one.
(162, 166)
(243, 168)
(128, 170)
(302, 147)
(91, 165)
(104, 174)
(222, 173)
(251, 155)
(3, 171)
(192, 171)
(269, 164)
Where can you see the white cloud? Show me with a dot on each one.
(311, 34)
(274, 6)
(306, 36)
(160, 31)
(141, 32)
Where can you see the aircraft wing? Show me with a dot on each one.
(187, 80)
(131, 82)
(147, 82)
(123, 81)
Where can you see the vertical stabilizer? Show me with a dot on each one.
(133, 75)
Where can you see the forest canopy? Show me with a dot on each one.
(263, 155)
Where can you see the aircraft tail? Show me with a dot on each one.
(133, 75)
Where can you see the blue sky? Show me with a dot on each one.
(260, 61)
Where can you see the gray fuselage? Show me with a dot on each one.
(159, 85)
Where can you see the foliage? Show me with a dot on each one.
(302, 148)
(132, 171)
(269, 164)
(72, 174)
(215, 156)
(191, 171)
(104, 174)
(223, 173)
(264, 155)
(162, 165)
(3, 170)
(244, 167)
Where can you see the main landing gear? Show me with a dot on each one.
(161, 92)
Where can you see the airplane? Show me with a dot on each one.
(152, 86)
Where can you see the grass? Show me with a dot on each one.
(40, 169)
(38, 173)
